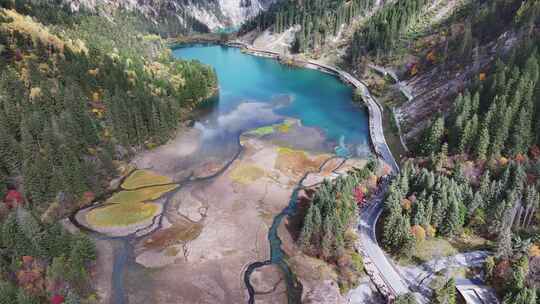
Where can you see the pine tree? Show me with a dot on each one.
(429, 211)
(504, 244)
(519, 274)
(8, 292)
(72, 298)
(307, 230)
(24, 298)
(317, 225)
(483, 144)
(328, 239)
(419, 215)
(433, 137)
(521, 134)
(489, 267)
(391, 232)
(442, 158)
(451, 222)
(446, 294)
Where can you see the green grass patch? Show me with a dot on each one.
(428, 250)
(433, 248)
(121, 214)
(263, 131)
(284, 127)
(141, 195)
(246, 173)
(143, 178)
(471, 242)
(128, 207)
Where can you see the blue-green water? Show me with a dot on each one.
(256, 91)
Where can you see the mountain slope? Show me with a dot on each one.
(76, 99)
(212, 14)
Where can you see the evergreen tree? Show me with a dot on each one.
(483, 144)
(307, 229)
(72, 298)
(433, 137)
(446, 294)
(328, 238)
(8, 292)
(504, 244)
(25, 298)
(451, 222)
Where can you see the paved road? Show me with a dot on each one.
(381, 268)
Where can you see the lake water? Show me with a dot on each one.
(257, 91)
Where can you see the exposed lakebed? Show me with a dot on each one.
(229, 181)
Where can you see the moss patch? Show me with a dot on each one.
(284, 127)
(128, 207)
(430, 249)
(143, 178)
(296, 161)
(246, 173)
(181, 231)
(470, 242)
(121, 214)
(171, 251)
(263, 131)
(141, 195)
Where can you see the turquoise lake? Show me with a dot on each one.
(257, 91)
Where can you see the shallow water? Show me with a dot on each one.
(257, 91)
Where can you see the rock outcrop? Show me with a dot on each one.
(324, 292)
(214, 14)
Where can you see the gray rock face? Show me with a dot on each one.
(323, 293)
(215, 14)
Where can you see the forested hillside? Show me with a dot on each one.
(471, 179)
(79, 93)
(331, 215)
(318, 20)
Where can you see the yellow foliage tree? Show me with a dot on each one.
(419, 233)
(534, 251)
(406, 204)
(372, 181)
(35, 93)
(430, 231)
(431, 57)
(482, 76)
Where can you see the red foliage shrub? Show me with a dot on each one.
(359, 195)
(57, 299)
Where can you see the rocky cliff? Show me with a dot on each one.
(214, 14)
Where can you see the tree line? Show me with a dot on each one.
(39, 262)
(326, 227)
(382, 32)
(477, 170)
(68, 109)
(318, 20)
(501, 117)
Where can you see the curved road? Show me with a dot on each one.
(378, 266)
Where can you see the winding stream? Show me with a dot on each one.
(255, 92)
(317, 99)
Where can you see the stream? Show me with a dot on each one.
(255, 92)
